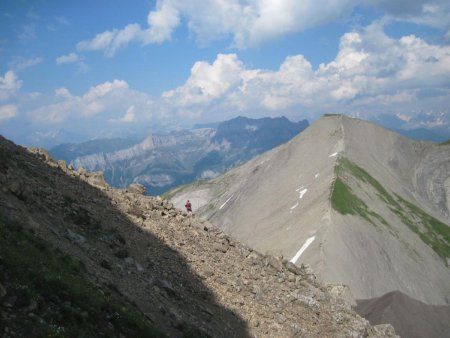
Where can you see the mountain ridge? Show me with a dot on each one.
(362, 205)
(162, 161)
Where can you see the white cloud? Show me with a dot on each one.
(161, 23)
(69, 58)
(104, 102)
(103, 89)
(8, 111)
(130, 116)
(20, 63)
(208, 82)
(370, 72)
(252, 22)
(63, 92)
(9, 85)
(434, 13)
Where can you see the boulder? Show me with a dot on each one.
(341, 294)
(2, 291)
(96, 179)
(137, 188)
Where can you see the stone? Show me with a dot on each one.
(137, 188)
(2, 291)
(341, 293)
(16, 188)
(74, 237)
(96, 179)
(129, 260)
(62, 164)
(274, 263)
(254, 255)
(207, 272)
(293, 268)
(220, 247)
(31, 307)
(139, 267)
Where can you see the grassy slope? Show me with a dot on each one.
(67, 303)
(430, 230)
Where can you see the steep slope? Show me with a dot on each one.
(362, 205)
(431, 321)
(163, 161)
(124, 264)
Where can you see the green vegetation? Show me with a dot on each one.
(331, 114)
(430, 230)
(346, 202)
(445, 143)
(346, 165)
(51, 296)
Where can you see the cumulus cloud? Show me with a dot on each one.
(251, 22)
(9, 85)
(370, 72)
(7, 112)
(69, 58)
(208, 82)
(161, 23)
(104, 102)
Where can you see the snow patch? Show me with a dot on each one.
(317, 175)
(300, 188)
(302, 192)
(294, 206)
(333, 154)
(225, 202)
(302, 249)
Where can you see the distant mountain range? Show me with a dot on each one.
(421, 126)
(162, 161)
(362, 205)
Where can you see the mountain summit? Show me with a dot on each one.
(362, 205)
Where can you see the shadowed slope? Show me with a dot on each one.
(429, 321)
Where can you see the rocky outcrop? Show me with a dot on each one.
(181, 272)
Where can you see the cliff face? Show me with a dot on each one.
(139, 255)
(162, 161)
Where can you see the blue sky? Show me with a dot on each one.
(75, 70)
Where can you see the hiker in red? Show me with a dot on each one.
(188, 206)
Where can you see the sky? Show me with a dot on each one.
(77, 70)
